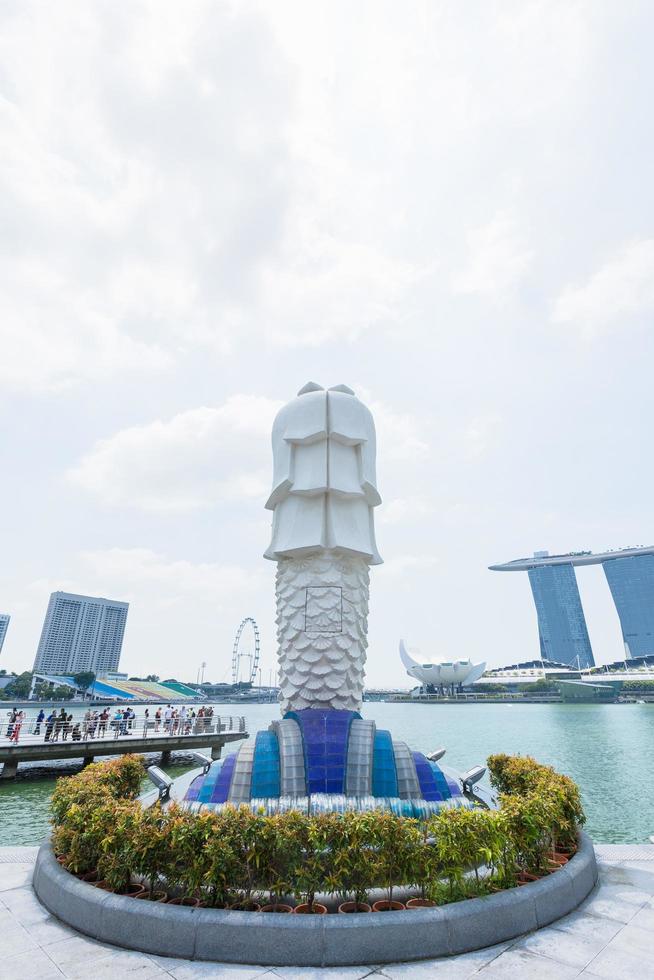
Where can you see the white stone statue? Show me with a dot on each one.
(323, 540)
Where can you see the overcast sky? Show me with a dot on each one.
(205, 205)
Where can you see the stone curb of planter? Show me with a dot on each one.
(321, 940)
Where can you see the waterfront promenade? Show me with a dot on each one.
(140, 736)
(609, 937)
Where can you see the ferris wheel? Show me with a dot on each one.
(250, 653)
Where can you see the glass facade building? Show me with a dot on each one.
(81, 633)
(631, 581)
(561, 622)
(4, 625)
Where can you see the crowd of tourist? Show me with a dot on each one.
(60, 725)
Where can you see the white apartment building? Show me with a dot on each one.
(81, 632)
(4, 626)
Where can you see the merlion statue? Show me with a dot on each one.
(323, 540)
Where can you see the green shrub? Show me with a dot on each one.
(237, 854)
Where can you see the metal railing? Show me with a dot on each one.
(142, 726)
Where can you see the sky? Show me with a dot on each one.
(203, 206)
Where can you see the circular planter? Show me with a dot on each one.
(226, 936)
(420, 903)
(287, 909)
(186, 901)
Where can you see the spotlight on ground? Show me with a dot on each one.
(436, 755)
(471, 777)
(161, 781)
(202, 760)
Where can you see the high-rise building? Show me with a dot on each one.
(4, 626)
(631, 581)
(81, 633)
(561, 623)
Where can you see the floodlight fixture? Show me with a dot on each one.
(471, 777)
(202, 760)
(161, 781)
(436, 755)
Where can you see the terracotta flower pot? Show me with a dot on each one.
(526, 877)
(104, 885)
(248, 906)
(157, 896)
(89, 876)
(386, 906)
(420, 903)
(558, 857)
(185, 900)
(134, 889)
(349, 907)
(306, 909)
(277, 908)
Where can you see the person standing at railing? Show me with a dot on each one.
(168, 719)
(146, 722)
(12, 715)
(87, 722)
(18, 724)
(49, 724)
(102, 723)
(39, 722)
(157, 720)
(60, 721)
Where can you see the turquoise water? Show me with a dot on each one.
(606, 748)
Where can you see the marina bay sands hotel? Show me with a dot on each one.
(561, 621)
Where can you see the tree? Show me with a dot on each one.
(21, 685)
(61, 693)
(84, 679)
(154, 678)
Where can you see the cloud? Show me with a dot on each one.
(497, 258)
(623, 287)
(132, 571)
(194, 460)
(405, 566)
(404, 509)
(140, 184)
(480, 435)
(401, 436)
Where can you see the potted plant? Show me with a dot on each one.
(115, 863)
(150, 852)
(352, 861)
(274, 867)
(222, 862)
(189, 834)
(306, 839)
(395, 843)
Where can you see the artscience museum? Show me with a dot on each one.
(441, 675)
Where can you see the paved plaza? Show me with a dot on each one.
(609, 936)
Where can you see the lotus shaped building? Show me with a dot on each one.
(441, 674)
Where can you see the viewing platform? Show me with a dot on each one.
(140, 739)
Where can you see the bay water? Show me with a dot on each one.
(605, 748)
